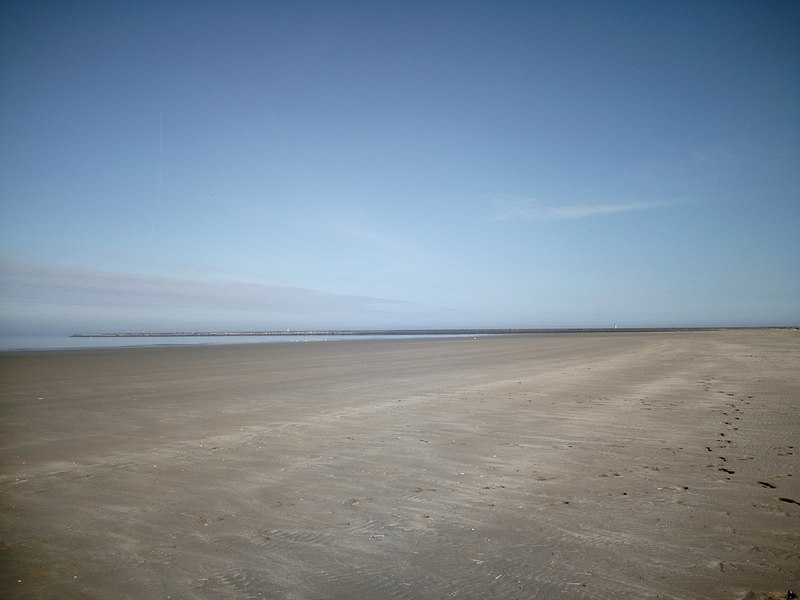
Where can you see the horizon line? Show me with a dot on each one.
(406, 332)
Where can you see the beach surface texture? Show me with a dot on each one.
(606, 465)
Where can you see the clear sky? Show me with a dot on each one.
(263, 165)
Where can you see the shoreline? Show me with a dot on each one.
(10, 344)
(419, 332)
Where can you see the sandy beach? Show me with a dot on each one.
(647, 465)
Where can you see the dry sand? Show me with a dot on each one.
(657, 465)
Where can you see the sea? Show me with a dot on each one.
(66, 342)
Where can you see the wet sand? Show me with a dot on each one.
(648, 465)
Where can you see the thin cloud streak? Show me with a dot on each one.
(381, 241)
(522, 209)
(38, 284)
(581, 211)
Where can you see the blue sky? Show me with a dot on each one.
(260, 165)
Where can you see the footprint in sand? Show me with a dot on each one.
(788, 595)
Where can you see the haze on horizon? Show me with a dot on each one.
(257, 166)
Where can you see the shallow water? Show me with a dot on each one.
(67, 342)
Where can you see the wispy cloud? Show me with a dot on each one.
(52, 286)
(580, 211)
(510, 208)
(381, 241)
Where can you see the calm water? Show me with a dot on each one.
(65, 342)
